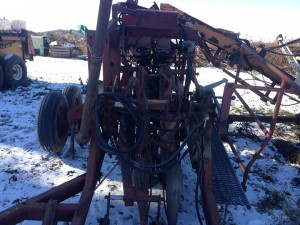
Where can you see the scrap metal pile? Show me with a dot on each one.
(149, 117)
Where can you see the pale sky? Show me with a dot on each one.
(254, 19)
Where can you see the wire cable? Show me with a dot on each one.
(126, 102)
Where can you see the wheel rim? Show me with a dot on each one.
(17, 72)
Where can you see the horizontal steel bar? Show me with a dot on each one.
(266, 119)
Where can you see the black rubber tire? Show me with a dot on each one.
(174, 186)
(140, 179)
(1, 77)
(73, 95)
(53, 126)
(14, 69)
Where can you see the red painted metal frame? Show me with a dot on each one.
(116, 79)
(287, 86)
(35, 208)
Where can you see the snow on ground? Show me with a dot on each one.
(27, 170)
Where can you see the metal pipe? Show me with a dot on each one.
(94, 72)
(268, 137)
(259, 123)
(239, 80)
(265, 119)
(209, 203)
(95, 162)
(34, 208)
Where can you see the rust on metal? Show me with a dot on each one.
(94, 70)
(147, 112)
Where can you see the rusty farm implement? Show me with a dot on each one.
(148, 116)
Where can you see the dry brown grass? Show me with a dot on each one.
(277, 59)
(274, 200)
(289, 150)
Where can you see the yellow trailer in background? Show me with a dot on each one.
(15, 48)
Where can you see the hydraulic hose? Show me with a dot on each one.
(126, 102)
(154, 168)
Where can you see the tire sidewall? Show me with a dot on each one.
(1, 77)
(53, 105)
(73, 95)
(59, 138)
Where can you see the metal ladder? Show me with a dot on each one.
(226, 186)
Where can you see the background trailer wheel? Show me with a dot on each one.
(53, 126)
(14, 69)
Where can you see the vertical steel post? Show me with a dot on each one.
(94, 72)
